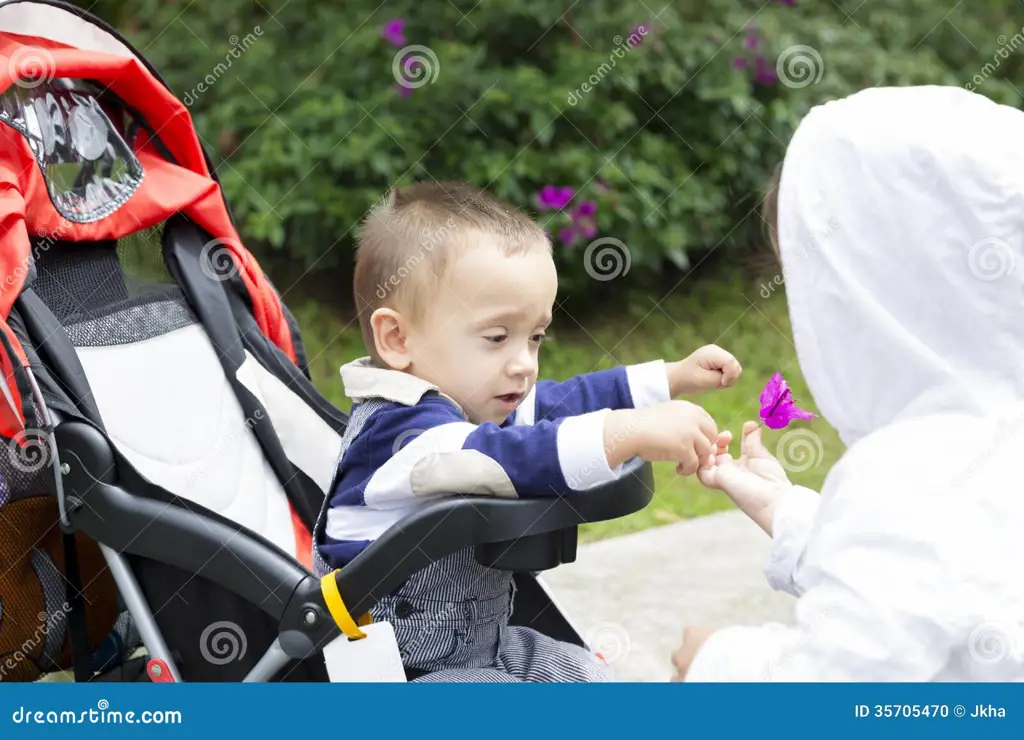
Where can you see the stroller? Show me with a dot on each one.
(166, 455)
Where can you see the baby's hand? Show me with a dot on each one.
(674, 431)
(756, 482)
(708, 368)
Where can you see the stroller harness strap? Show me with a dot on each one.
(187, 258)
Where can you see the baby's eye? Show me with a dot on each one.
(538, 338)
(497, 339)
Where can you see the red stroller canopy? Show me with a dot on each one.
(164, 188)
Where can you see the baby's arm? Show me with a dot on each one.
(629, 386)
(425, 451)
(623, 387)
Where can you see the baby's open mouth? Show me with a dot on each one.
(511, 397)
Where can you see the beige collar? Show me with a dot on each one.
(362, 379)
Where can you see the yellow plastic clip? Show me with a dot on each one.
(336, 605)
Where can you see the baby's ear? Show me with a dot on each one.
(390, 338)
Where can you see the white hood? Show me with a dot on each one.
(901, 227)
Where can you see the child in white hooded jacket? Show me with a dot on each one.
(900, 227)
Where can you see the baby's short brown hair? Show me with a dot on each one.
(410, 236)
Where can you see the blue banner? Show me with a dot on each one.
(502, 711)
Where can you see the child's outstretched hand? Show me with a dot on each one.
(708, 368)
(755, 482)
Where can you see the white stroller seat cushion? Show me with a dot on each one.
(170, 410)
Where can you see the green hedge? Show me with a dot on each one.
(661, 128)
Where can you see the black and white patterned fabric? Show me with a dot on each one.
(451, 619)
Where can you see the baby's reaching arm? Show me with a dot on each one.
(630, 386)
(412, 453)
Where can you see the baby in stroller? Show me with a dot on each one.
(454, 291)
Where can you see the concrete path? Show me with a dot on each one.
(631, 596)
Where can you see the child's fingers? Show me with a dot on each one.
(748, 427)
(731, 372)
(753, 446)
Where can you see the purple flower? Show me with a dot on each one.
(583, 219)
(764, 74)
(637, 33)
(567, 235)
(740, 62)
(554, 198)
(751, 41)
(586, 208)
(403, 90)
(777, 407)
(394, 32)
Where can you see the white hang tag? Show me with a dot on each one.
(373, 659)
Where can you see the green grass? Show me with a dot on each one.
(728, 310)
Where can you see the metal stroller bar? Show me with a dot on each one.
(131, 592)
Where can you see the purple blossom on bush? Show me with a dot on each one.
(394, 32)
(403, 90)
(567, 235)
(740, 62)
(637, 33)
(751, 41)
(584, 220)
(553, 198)
(764, 73)
(586, 208)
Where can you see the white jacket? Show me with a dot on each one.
(902, 239)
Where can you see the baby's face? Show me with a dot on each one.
(479, 338)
